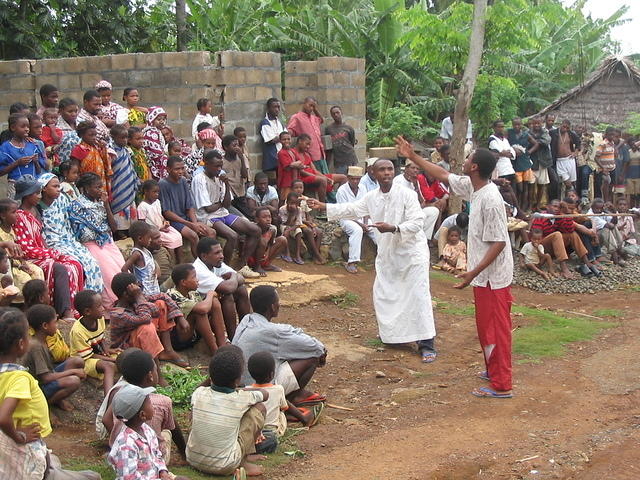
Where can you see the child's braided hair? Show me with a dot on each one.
(13, 327)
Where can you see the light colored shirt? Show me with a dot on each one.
(207, 191)
(209, 279)
(213, 445)
(137, 457)
(532, 254)
(101, 128)
(285, 342)
(367, 183)
(503, 166)
(446, 129)
(487, 224)
(276, 404)
(200, 118)
(346, 195)
(270, 196)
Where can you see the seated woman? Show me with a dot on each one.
(93, 224)
(63, 273)
(57, 232)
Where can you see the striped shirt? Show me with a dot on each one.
(84, 342)
(550, 225)
(213, 445)
(606, 156)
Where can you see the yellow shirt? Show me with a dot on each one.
(57, 346)
(32, 406)
(85, 342)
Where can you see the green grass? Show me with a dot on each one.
(346, 300)
(181, 385)
(551, 332)
(456, 310)
(609, 312)
(374, 342)
(440, 275)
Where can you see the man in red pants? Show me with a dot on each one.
(489, 263)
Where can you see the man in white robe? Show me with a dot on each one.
(401, 295)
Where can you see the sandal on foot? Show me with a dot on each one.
(484, 375)
(429, 357)
(299, 261)
(286, 258)
(486, 392)
(312, 399)
(350, 268)
(240, 474)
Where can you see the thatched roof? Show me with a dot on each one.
(608, 67)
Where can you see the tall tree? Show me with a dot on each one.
(181, 25)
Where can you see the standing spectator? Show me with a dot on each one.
(606, 160)
(91, 103)
(446, 129)
(237, 172)
(154, 144)
(204, 107)
(632, 173)
(343, 141)
(270, 129)
(522, 143)
(308, 121)
(499, 144)
(49, 96)
(108, 109)
(541, 161)
(565, 143)
(132, 115)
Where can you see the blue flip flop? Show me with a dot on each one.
(486, 392)
(428, 357)
(484, 375)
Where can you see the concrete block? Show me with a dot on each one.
(265, 59)
(333, 64)
(244, 59)
(350, 95)
(198, 77)
(8, 67)
(67, 82)
(139, 78)
(153, 96)
(199, 59)
(99, 64)
(49, 65)
(173, 111)
(264, 93)
(23, 96)
(225, 58)
(326, 78)
(357, 80)
(148, 60)
(4, 83)
(361, 65)
(273, 77)
(349, 63)
(174, 59)
(119, 80)
(26, 66)
(301, 66)
(182, 128)
(75, 65)
(50, 79)
(233, 76)
(125, 61)
(239, 94)
(361, 94)
(167, 77)
(89, 80)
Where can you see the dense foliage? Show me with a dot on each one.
(415, 49)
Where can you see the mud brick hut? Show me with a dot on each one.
(607, 97)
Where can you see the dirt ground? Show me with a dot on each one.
(573, 417)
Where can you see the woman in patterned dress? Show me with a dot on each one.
(154, 144)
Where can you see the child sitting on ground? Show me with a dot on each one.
(36, 292)
(609, 236)
(534, 257)
(269, 245)
(135, 452)
(627, 229)
(295, 227)
(454, 253)
(87, 339)
(139, 369)
(145, 322)
(150, 211)
(141, 262)
(203, 313)
(262, 367)
(57, 382)
(226, 422)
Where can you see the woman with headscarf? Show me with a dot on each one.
(154, 144)
(57, 232)
(93, 224)
(63, 273)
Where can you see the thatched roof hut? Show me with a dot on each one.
(610, 94)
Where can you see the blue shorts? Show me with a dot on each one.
(177, 225)
(227, 220)
(51, 388)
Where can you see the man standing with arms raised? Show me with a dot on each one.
(401, 295)
(490, 263)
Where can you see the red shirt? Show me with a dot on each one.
(310, 124)
(286, 174)
(548, 225)
(47, 138)
(431, 192)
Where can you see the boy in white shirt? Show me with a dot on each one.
(534, 257)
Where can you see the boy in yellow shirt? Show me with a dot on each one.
(87, 339)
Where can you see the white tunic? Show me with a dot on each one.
(401, 295)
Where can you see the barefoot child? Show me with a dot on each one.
(269, 245)
(295, 226)
(87, 339)
(454, 253)
(135, 452)
(262, 367)
(150, 211)
(203, 313)
(139, 369)
(534, 257)
(141, 262)
(51, 135)
(57, 382)
(227, 422)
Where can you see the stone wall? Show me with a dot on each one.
(238, 82)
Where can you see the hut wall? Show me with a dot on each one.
(608, 101)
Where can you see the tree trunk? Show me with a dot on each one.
(465, 93)
(181, 25)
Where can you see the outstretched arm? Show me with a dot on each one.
(406, 150)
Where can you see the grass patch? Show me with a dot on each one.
(440, 275)
(609, 312)
(374, 342)
(456, 310)
(346, 300)
(181, 385)
(549, 335)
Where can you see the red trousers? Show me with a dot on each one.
(493, 320)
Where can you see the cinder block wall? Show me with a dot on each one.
(238, 82)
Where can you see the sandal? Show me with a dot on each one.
(312, 399)
(299, 261)
(240, 474)
(484, 375)
(286, 258)
(428, 357)
(351, 268)
(486, 392)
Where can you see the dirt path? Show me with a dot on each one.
(574, 417)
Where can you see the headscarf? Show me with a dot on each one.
(45, 178)
(155, 112)
(102, 84)
(207, 133)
